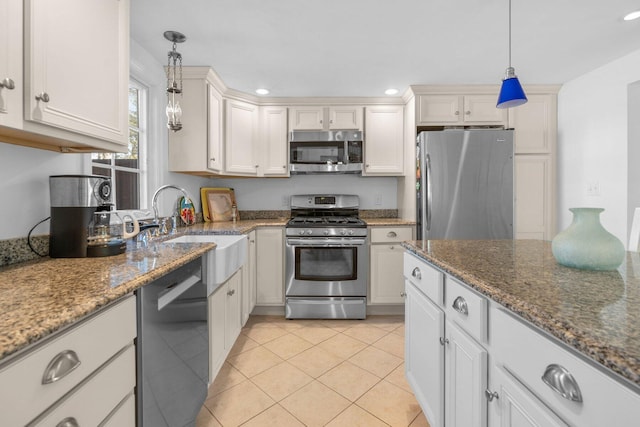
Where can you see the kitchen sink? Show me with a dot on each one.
(222, 262)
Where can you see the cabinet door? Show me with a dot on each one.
(424, 355)
(77, 53)
(251, 264)
(482, 109)
(438, 109)
(217, 338)
(534, 197)
(534, 124)
(387, 284)
(306, 118)
(274, 145)
(346, 117)
(233, 309)
(214, 130)
(241, 137)
(466, 380)
(11, 63)
(515, 406)
(270, 266)
(384, 146)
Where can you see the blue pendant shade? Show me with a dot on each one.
(511, 93)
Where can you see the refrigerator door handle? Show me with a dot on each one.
(429, 194)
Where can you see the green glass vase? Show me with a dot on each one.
(585, 244)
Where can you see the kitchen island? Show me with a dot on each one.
(512, 306)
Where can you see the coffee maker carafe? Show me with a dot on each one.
(74, 200)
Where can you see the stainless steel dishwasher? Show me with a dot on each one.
(172, 348)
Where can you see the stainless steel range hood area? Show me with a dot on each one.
(321, 152)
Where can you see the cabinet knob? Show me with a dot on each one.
(460, 305)
(44, 97)
(416, 273)
(257, 166)
(320, 121)
(457, 113)
(403, 294)
(560, 380)
(68, 422)
(213, 159)
(491, 395)
(444, 341)
(284, 166)
(392, 247)
(468, 113)
(60, 366)
(231, 292)
(7, 84)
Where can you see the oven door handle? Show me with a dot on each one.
(327, 242)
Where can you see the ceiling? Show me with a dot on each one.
(362, 47)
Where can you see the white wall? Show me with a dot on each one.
(24, 186)
(274, 193)
(592, 142)
(633, 155)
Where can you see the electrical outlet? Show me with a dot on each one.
(378, 200)
(285, 201)
(593, 188)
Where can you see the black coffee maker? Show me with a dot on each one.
(74, 200)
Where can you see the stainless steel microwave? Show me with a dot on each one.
(333, 151)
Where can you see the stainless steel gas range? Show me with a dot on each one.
(327, 258)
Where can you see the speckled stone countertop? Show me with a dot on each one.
(387, 221)
(597, 313)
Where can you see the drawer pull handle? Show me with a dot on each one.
(444, 341)
(491, 395)
(392, 234)
(416, 273)
(562, 382)
(460, 305)
(61, 365)
(68, 422)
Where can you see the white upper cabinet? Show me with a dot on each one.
(76, 59)
(241, 142)
(535, 124)
(456, 109)
(384, 140)
(11, 63)
(74, 56)
(198, 146)
(325, 118)
(274, 145)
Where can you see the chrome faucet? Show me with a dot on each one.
(154, 200)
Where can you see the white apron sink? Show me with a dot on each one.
(222, 262)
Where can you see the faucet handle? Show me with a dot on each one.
(163, 226)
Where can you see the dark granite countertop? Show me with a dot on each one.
(596, 313)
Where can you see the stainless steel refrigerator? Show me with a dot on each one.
(464, 184)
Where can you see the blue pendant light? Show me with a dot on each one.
(511, 92)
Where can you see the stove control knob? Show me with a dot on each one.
(326, 232)
(350, 232)
(343, 232)
(301, 232)
(309, 232)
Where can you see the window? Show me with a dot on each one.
(127, 170)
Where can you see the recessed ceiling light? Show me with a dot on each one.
(262, 91)
(631, 16)
(391, 91)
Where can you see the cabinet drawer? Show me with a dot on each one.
(390, 234)
(92, 402)
(124, 415)
(467, 309)
(527, 354)
(426, 278)
(22, 392)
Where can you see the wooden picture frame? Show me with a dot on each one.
(216, 203)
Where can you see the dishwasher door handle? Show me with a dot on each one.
(176, 290)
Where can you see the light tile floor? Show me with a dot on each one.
(314, 373)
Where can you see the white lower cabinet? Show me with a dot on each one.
(424, 356)
(445, 366)
(224, 321)
(270, 266)
(249, 279)
(387, 285)
(514, 406)
(80, 375)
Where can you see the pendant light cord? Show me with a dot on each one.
(509, 33)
